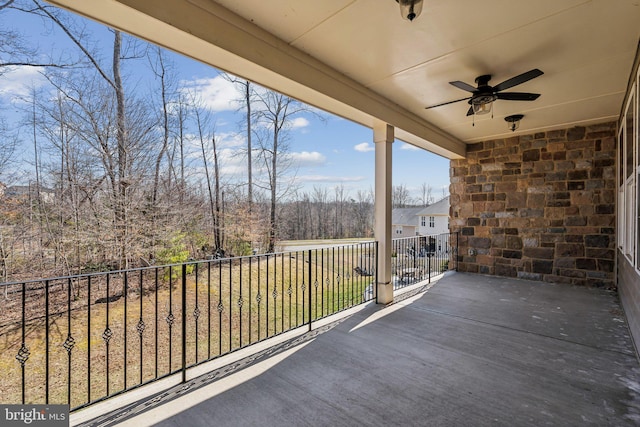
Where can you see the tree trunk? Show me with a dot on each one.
(272, 184)
(218, 230)
(121, 136)
(249, 149)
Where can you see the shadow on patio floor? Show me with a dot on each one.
(473, 350)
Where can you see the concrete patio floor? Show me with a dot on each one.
(473, 350)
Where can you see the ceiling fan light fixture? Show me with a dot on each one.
(482, 105)
(410, 9)
(514, 121)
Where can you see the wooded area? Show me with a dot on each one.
(123, 177)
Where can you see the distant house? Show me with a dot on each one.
(29, 192)
(421, 221)
(405, 222)
(434, 219)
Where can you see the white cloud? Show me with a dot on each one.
(307, 158)
(216, 93)
(17, 82)
(299, 122)
(330, 178)
(231, 139)
(232, 163)
(409, 147)
(364, 147)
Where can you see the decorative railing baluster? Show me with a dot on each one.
(250, 298)
(282, 293)
(170, 318)
(70, 342)
(322, 313)
(140, 327)
(267, 323)
(274, 294)
(157, 352)
(46, 344)
(196, 312)
(240, 304)
(309, 289)
(183, 303)
(125, 294)
(230, 306)
(106, 335)
(23, 353)
(89, 304)
(296, 286)
(208, 310)
(220, 307)
(259, 295)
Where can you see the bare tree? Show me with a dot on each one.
(426, 194)
(247, 95)
(122, 158)
(7, 149)
(202, 123)
(340, 198)
(320, 198)
(363, 213)
(160, 70)
(400, 196)
(275, 113)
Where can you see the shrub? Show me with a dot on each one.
(174, 252)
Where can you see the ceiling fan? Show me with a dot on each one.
(483, 96)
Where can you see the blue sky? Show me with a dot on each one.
(324, 153)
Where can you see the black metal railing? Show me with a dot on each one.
(418, 258)
(80, 339)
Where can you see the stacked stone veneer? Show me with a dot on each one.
(538, 206)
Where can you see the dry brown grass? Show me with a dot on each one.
(252, 308)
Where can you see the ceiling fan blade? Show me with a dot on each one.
(470, 111)
(447, 103)
(518, 96)
(463, 86)
(514, 81)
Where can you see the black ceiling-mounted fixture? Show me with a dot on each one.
(410, 9)
(483, 96)
(514, 121)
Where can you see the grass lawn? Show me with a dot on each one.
(98, 349)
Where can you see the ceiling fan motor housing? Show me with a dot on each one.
(483, 98)
(485, 93)
(483, 80)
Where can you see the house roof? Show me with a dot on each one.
(16, 190)
(406, 216)
(438, 208)
(360, 60)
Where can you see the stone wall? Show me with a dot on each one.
(539, 206)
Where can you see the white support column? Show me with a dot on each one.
(383, 137)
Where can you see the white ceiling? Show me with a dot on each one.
(585, 49)
(338, 54)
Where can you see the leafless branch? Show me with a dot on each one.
(76, 41)
(31, 64)
(6, 4)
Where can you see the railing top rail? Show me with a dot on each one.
(190, 262)
(420, 236)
